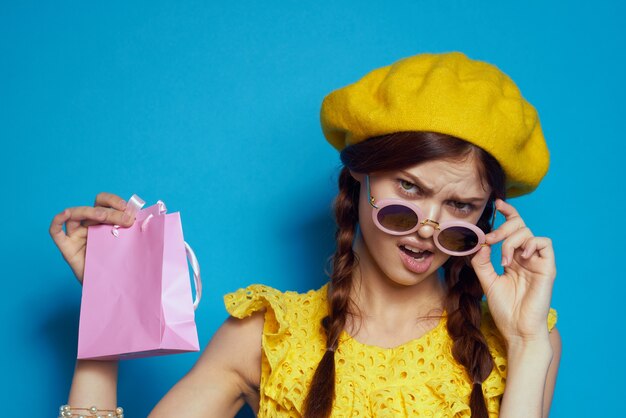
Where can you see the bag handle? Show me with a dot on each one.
(196, 274)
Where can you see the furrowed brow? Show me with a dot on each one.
(429, 192)
(475, 200)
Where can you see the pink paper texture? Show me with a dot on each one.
(137, 299)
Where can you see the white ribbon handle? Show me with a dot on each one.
(196, 274)
(134, 205)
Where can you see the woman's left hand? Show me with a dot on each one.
(519, 299)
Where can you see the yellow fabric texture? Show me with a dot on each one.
(418, 378)
(446, 93)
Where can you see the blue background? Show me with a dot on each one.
(213, 108)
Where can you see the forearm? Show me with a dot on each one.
(94, 384)
(527, 372)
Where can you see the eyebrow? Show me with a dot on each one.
(430, 192)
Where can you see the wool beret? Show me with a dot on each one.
(447, 93)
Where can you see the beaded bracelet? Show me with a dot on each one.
(66, 411)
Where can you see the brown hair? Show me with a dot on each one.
(395, 152)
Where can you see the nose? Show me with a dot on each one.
(429, 223)
(428, 228)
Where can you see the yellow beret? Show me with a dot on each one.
(450, 94)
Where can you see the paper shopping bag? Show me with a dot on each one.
(137, 299)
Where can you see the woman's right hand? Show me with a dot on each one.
(108, 209)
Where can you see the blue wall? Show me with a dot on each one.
(213, 108)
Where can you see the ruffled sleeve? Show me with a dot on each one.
(552, 317)
(291, 342)
(256, 298)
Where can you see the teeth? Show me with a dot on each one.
(413, 249)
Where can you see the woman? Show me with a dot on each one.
(431, 146)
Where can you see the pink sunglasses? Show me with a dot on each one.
(398, 217)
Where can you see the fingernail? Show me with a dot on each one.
(505, 261)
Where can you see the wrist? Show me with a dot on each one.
(539, 348)
(94, 383)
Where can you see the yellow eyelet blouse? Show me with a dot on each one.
(417, 379)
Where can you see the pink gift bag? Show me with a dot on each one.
(137, 299)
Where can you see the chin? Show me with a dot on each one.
(412, 279)
(385, 258)
(403, 275)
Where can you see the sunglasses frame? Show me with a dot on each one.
(422, 220)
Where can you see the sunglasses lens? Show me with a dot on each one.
(397, 218)
(458, 239)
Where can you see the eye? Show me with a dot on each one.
(407, 188)
(462, 207)
(406, 185)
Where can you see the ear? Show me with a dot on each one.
(360, 177)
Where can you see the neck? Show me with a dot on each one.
(380, 299)
(384, 303)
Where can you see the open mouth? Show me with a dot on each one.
(417, 254)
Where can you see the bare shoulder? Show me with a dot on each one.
(226, 375)
(237, 344)
(555, 342)
(557, 347)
